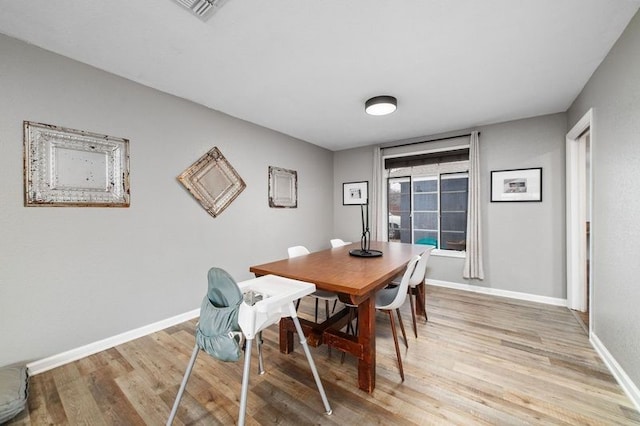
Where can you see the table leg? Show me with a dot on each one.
(286, 338)
(367, 338)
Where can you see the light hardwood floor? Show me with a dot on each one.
(479, 360)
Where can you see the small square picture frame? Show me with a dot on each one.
(516, 185)
(283, 188)
(355, 193)
(213, 182)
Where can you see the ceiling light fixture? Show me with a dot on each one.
(381, 105)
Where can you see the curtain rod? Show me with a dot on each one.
(431, 140)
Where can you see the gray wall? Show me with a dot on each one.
(524, 243)
(351, 165)
(73, 276)
(614, 93)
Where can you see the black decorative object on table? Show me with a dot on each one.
(365, 240)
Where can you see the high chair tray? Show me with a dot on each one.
(276, 290)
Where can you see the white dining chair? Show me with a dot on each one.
(327, 296)
(391, 299)
(337, 242)
(415, 290)
(296, 251)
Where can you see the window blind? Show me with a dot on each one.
(427, 158)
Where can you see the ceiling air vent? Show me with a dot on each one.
(202, 8)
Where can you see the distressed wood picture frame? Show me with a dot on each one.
(213, 181)
(66, 167)
(283, 188)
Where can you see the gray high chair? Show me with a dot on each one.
(234, 311)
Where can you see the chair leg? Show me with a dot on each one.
(183, 385)
(245, 382)
(312, 365)
(259, 343)
(335, 302)
(349, 330)
(326, 317)
(413, 313)
(395, 341)
(316, 314)
(404, 334)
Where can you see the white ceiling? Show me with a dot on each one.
(305, 68)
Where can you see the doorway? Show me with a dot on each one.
(579, 223)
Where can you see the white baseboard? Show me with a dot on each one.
(497, 292)
(624, 381)
(42, 365)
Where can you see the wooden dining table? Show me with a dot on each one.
(355, 280)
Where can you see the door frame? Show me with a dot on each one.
(576, 211)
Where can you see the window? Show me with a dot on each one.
(425, 210)
(427, 203)
(454, 189)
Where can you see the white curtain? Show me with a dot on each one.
(375, 201)
(473, 261)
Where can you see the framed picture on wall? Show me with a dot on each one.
(213, 181)
(283, 187)
(355, 193)
(75, 168)
(516, 185)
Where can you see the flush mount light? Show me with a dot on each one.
(381, 105)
